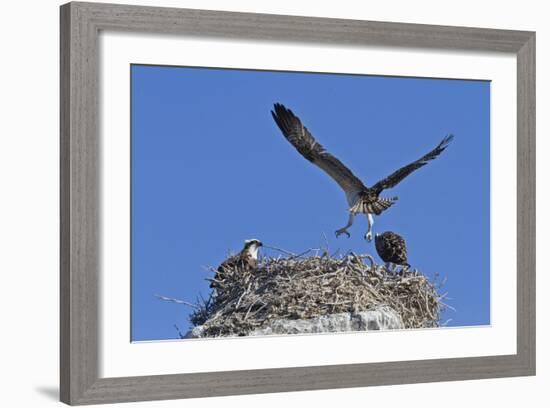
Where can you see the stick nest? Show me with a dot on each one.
(305, 287)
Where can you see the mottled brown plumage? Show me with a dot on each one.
(245, 260)
(391, 248)
(361, 199)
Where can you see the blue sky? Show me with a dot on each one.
(211, 169)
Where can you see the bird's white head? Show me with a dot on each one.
(252, 245)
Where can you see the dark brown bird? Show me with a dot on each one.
(361, 199)
(391, 248)
(245, 260)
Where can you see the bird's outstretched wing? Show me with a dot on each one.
(298, 135)
(393, 179)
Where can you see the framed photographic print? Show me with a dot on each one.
(233, 183)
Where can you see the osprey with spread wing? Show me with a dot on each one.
(361, 199)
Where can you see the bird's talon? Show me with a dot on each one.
(340, 232)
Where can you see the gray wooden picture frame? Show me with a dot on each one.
(80, 189)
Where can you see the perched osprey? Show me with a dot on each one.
(391, 248)
(245, 260)
(361, 199)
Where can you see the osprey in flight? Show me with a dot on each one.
(391, 248)
(247, 259)
(361, 199)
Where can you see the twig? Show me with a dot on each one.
(241, 297)
(305, 252)
(178, 301)
(280, 250)
(370, 258)
(326, 242)
(179, 332)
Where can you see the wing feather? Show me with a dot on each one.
(397, 176)
(298, 135)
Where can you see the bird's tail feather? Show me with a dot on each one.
(370, 207)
